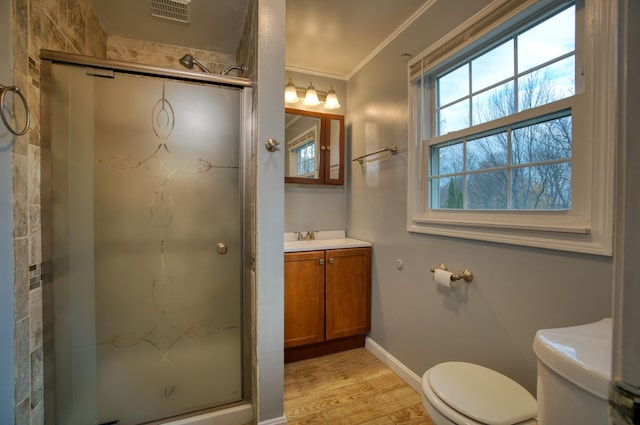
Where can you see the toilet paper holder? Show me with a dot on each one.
(466, 275)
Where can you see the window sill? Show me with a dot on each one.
(566, 228)
(573, 238)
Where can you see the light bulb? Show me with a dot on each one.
(332, 99)
(290, 93)
(311, 98)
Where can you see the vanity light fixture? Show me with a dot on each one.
(312, 97)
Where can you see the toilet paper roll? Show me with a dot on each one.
(443, 277)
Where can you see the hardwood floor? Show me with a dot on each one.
(351, 387)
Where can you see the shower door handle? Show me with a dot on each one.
(222, 248)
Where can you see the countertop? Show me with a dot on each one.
(324, 239)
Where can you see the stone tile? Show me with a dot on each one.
(247, 49)
(55, 39)
(37, 414)
(37, 378)
(52, 10)
(20, 218)
(20, 177)
(33, 163)
(35, 322)
(63, 25)
(38, 26)
(20, 193)
(22, 365)
(35, 235)
(19, 17)
(23, 413)
(34, 125)
(77, 25)
(96, 43)
(21, 278)
(37, 18)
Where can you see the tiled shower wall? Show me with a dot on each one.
(63, 25)
(67, 26)
(165, 55)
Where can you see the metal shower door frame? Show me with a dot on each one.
(247, 176)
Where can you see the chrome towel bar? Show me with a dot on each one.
(393, 149)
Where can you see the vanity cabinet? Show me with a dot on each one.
(327, 301)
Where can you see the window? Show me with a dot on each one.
(303, 161)
(507, 131)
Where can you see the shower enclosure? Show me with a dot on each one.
(144, 175)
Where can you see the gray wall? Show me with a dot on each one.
(516, 290)
(270, 212)
(316, 207)
(6, 252)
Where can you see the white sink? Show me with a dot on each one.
(324, 239)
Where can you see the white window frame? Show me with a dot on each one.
(588, 226)
(309, 134)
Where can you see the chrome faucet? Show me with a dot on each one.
(309, 236)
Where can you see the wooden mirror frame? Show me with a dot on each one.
(324, 151)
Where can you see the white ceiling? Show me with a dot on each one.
(328, 37)
(335, 36)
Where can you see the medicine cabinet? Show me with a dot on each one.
(314, 151)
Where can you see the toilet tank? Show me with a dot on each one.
(574, 371)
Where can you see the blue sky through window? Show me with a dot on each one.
(543, 55)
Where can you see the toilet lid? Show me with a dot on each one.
(482, 394)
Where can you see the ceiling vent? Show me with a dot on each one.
(176, 10)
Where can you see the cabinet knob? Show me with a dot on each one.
(321, 261)
(330, 260)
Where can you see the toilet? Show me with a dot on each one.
(574, 371)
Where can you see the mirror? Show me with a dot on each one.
(314, 147)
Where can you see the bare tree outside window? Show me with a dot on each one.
(525, 166)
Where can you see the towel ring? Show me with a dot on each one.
(3, 92)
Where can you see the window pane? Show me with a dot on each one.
(545, 187)
(547, 40)
(454, 117)
(306, 160)
(454, 85)
(545, 141)
(494, 66)
(493, 104)
(487, 191)
(449, 193)
(487, 152)
(446, 159)
(554, 82)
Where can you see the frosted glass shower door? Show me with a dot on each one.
(158, 238)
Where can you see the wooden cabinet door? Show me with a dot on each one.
(347, 292)
(303, 298)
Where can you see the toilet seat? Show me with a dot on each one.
(470, 394)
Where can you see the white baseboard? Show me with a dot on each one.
(406, 374)
(282, 420)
